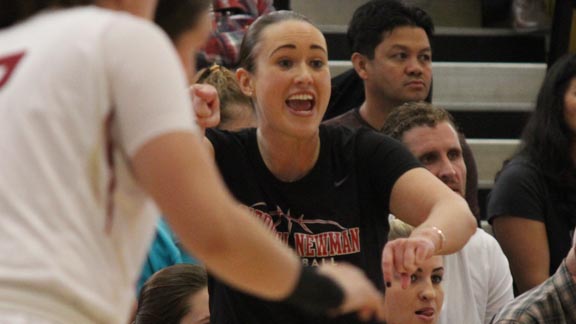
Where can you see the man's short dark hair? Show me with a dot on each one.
(372, 20)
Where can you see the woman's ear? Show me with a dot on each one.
(245, 81)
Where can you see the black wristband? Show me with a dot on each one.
(316, 293)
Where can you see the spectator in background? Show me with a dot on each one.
(391, 49)
(531, 206)
(177, 294)
(550, 302)
(422, 300)
(393, 57)
(166, 250)
(480, 282)
(236, 111)
(231, 18)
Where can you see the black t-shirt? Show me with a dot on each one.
(337, 213)
(353, 119)
(521, 190)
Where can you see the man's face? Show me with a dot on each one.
(401, 70)
(439, 150)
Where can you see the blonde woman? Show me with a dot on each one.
(421, 301)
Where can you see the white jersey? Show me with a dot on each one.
(81, 90)
(477, 281)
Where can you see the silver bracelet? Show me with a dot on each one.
(442, 238)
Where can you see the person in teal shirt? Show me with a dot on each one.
(165, 251)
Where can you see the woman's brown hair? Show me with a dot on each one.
(164, 296)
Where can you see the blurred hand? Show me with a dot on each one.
(206, 105)
(360, 295)
(405, 255)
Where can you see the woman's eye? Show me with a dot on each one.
(436, 279)
(413, 278)
(285, 63)
(317, 64)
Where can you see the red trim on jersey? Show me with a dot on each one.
(112, 178)
(9, 63)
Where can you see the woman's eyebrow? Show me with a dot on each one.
(318, 47)
(292, 46)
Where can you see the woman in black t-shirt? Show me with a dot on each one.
(325, 191)
(532, 206)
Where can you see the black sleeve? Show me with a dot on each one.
(215, 136)
(228, 145)
(518, 191)
(231, 154)
(384, 160)
(218, 138)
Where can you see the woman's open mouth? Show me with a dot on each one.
(300, 102)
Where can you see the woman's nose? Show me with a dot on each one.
(428, 292)
(304, 75)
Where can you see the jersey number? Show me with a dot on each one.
(7, 66)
